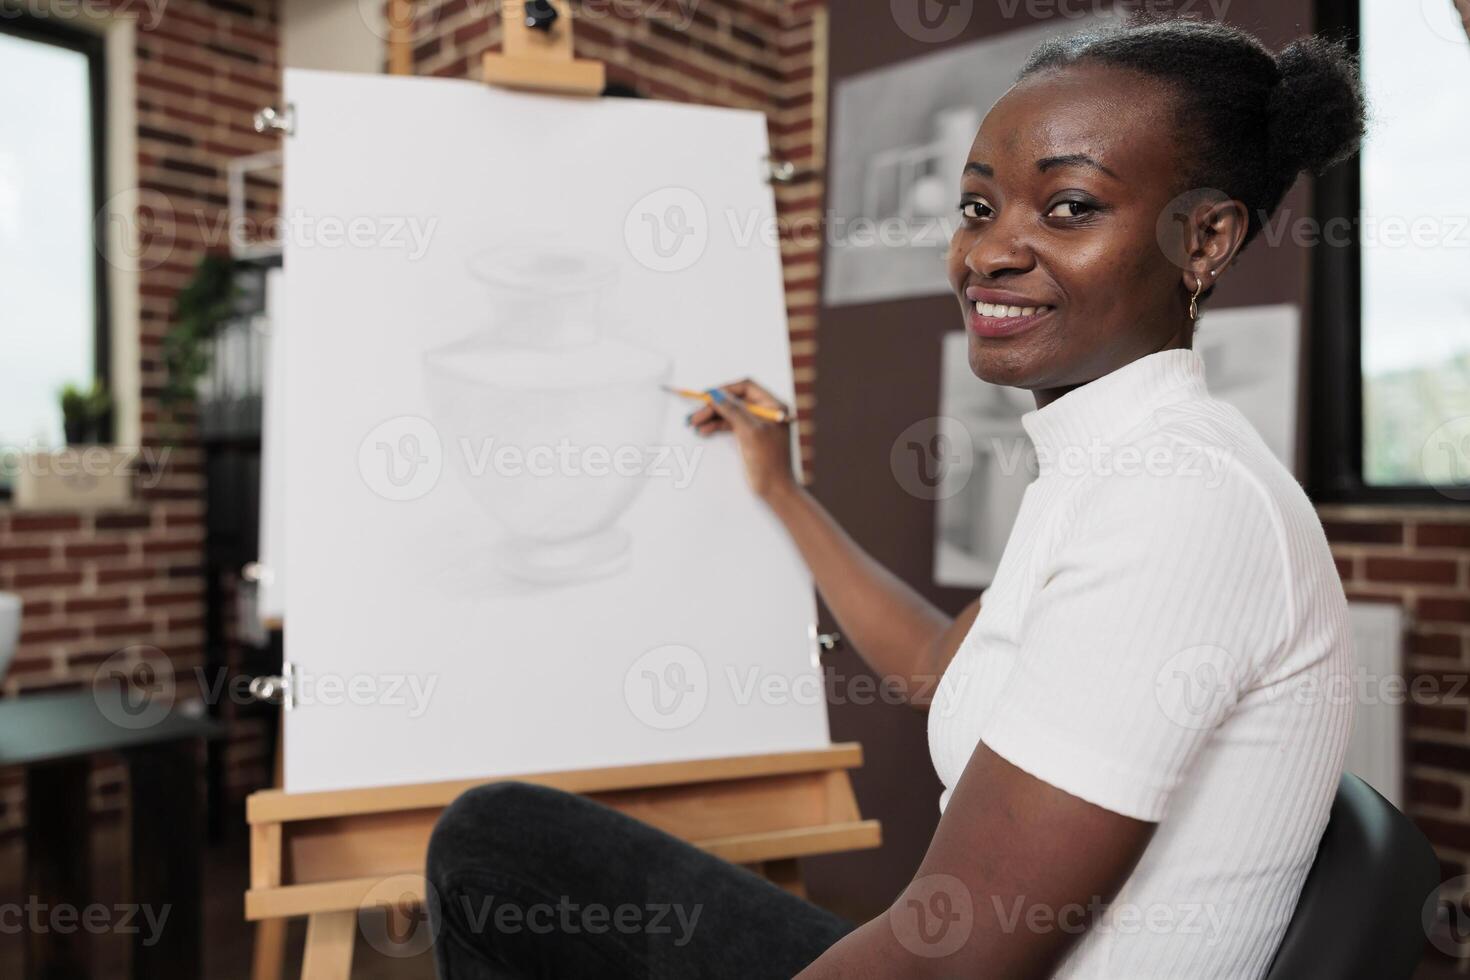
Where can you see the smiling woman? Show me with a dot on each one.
(1162, 150)
(1132, 732)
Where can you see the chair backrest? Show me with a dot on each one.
(1359, 914)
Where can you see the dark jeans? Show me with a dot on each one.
(533, 882)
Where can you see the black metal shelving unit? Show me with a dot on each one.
(230, 425)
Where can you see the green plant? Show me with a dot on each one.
(84, 412)
(201, 307)
(73, 405)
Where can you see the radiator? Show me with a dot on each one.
(1379, 688)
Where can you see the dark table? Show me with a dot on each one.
(54, 737)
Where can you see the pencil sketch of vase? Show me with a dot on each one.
(548, 421)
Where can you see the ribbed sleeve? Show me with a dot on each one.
(1154, 614)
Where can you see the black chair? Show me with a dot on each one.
(1359, 916)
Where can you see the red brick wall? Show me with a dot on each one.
(1420, 558)
(96, 583)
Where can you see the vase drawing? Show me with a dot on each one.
(548, 422)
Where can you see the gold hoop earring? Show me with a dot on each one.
(1199, 287)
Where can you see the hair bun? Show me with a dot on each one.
(1316, 109)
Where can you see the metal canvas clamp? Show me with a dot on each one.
(276, 690)
(271, 119)
(780, 171)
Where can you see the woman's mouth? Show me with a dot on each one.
(1000, 320)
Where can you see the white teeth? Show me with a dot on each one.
(996, 311)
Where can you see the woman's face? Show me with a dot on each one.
(1060, 203)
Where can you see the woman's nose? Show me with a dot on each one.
(998, 251)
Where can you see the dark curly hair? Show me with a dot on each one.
(1249, 121)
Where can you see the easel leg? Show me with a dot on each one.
(270, 949)
(269, 961)
(329, 938)
(785, 873)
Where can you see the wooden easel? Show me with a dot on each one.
(327, 855)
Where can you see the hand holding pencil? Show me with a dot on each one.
(768, 409)
(759, 421)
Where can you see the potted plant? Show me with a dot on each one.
(205, 303)
(84, 475)
(84, 413)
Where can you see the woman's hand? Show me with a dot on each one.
(765, 447)
(895, 629)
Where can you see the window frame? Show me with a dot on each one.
(1335, 415)
(93, 46)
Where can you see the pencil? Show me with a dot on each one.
(759, 411)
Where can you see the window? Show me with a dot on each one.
(1416, 292)
(53, 317)
(1393, 323)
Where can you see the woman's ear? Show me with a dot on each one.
(1213, 236)
(1201, 231)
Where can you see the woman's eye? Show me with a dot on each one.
(1070, 209)
(975, 210)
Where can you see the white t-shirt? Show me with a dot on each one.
(1166, 637)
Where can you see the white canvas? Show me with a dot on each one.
(271, 586)
(524, 273)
